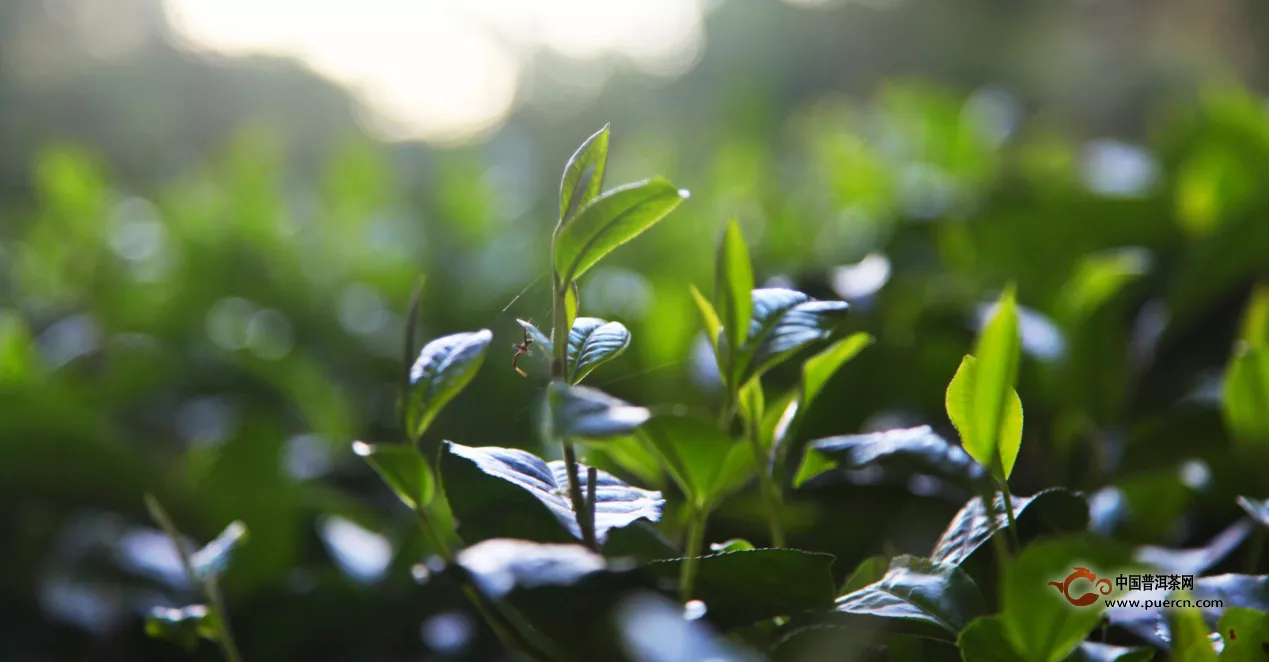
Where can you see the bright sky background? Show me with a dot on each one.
(446, 71)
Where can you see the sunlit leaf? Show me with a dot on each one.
(733, 282)
(500, 565)
(444, 368)
(702, 459)
(581, 412)
(743, 587)
(751, 404)
(1246, 395)
(733, 545)
(1246, 635)
(541, 342)
(403, 468)
(1047, 511)
(1258, 510)
(783, 420)
(184, 626)
(584, 175)
(593, 342)
(916, 450)
(818, 369)
(963, 394)
(870, 570)
(1190, 636)
(1255, 326)
(923, 592)
(814, 464)
(487, 509)
(709, 318)
(212, 560)
(653, 629)
(984, 640)
(1098, 277)
(784, 322)
(609, 221)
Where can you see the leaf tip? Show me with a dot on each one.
(361, 449)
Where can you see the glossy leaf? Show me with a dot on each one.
(1258, 510)
(784, 322)
(1246, 394)
(782, 422)
(919, 591)
(1246, 635)
(1038, 620)
(653, 629)
(444, 368)
(541, 341)
(1189, 634)
(733, 281)
(916, 450)
(609, 221)
(593, 342)
(963, 394)
(743, 587)
(403, 468)
(870, 570)
(733, 545)
(1199, 560)
(473, 494)
(702, 459)
(584, 175)
(213, 559)
(581, 412)
(184, 626)
(501, 565)
(971, 528)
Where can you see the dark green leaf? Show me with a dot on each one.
(640, 541)
(584, 175)
(1246, 635)
(444, 367)
(936, 597)
(473, 494)
(1259, 510)
(916, 450)
(212, 560)
(1091, 651)
(702, 459)
(1190, 636)
(609, 221)
(739, 588)
(733, 281)
(963, 394)
(581, 412)
(593, 342)
(1246, 395)
(784, 321)
(1050, 510)
(403, 468)
(984, 640)
(184, 626)
(1038, 620)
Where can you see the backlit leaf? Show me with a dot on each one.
(584, 175)
(581, 412)
(444, 368)
(403, 468)
(609, 221)
(593, 342)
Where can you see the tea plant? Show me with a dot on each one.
(568, 562)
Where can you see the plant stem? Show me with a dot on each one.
(580, 507)
(695, 540)
(1013, 525)
(559, 364)
(770, 497)
(209, 589)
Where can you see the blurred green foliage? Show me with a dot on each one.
(220, 339)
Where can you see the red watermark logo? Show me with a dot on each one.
(1086, 599)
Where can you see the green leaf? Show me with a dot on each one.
(184, 626)
(572, 303)
(444, 368)
(1047, 511)
(709, 318)
(984, 640)
(212, 560)
(540, 340)
(628, 454)
(739, 588)
(1246, 634)
(1097, 278)
(751, 404)
(733, 545)
(609, 221)
(938, 598)
(403, 468)
(870, 570)
(814, 464)
(584, 175)
(784, 322)
(702, 459)
(733, 281)
(909, 451)
(963, 394)
(1255, 326)
(593, 342)
(487, 487)
(818, 369)
(581, 412)
(1258, 510)
(1190, 636)
(1246, 394)
(1040, 623)
(1091, 651)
